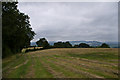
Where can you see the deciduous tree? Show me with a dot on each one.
(16, 30)
(43, 43)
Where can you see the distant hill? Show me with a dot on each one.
(91, 43)
(113, 44)
(33, 43)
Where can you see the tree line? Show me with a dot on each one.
(44, 43)
(16, 30)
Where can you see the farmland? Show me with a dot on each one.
(63, 63)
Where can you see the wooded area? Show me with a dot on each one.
(16, 30)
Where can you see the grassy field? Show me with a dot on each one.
(63, 63)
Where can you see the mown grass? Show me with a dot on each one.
(12, 63)
(21, 60)
(20, 72)
(93, 71)
(93, 64)
(56, 59)
(96, 55)
(40, 71)
(60, 69)
(5, 64)
(11, 59)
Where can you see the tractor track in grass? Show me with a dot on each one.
(66, 72)
(69, 67)
(10, 64)
(114, 74)
(52, 71)
(10, 70)
(86, 65)
(111, 64)
(57, 63)
(93, 61)
(90, 61)
(31, 71)
(20, 64)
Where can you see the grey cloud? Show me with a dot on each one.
(73, 21)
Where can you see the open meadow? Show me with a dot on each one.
(63, 63)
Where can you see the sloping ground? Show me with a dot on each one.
(63, 63)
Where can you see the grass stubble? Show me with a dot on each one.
(63, 63)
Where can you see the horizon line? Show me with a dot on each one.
(76, 40)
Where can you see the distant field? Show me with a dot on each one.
(63, 63)
(24, 49)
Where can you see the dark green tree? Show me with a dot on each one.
(16, 31)
(43, 43)
(62, 45)
(67, 44)
(104, 45)
(76, 46)
(59, 45)
(83, 45)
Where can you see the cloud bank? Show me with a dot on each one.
(56, 21)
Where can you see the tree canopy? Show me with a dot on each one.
(104, 45)
(62, 45)
(83, 45)
(16, 30)
(43, 43)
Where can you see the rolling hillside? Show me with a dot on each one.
(63, 63)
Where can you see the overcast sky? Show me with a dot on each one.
(96, 21)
